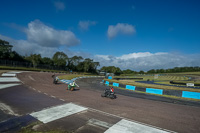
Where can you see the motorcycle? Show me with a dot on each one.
(55, 80)
(108, 93)
(72, 86)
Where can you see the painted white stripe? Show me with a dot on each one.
(31, 78)
(14, 72)
(3, 86)
(53, 96)
(6, 108)
(99, 123)
(8, 75)
(57, 112)
(125, 126)
(11, 79)
(62, 99)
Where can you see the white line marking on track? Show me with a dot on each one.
(3, 86)
(45, 93)
(108, 114)
(10, 79)
(31, 78)
(8, 75)
(125, 126)
(99, 123)
(14, 72)
(39, 91)
(53, 96)
(7, 109)
(62, 99)
(54, 113)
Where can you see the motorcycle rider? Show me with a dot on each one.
(55, 79)
(72, 86)
(111, 90)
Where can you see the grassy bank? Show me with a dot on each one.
(133, 83)
(71, 76)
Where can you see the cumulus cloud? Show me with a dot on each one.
(25, 47)
(84, 25)
(42, 39)
(146, 60)
(120, 28)
(46, 36)
(59, 5)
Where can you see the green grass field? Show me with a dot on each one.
(158, 78)
(162, 79)
(132, 82)
(69, 76)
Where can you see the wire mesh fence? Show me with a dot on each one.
(12, 63)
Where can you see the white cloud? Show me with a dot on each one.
(134, 61)
(46, 36)
(146, 60)
(25, 47)
(44, 40)
(120, 28)
(59, 5)
(84, 25)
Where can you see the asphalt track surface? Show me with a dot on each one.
(38, 92)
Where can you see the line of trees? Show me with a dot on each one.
(118, 71)
(59, 60)
(175, 70)
(76, 63)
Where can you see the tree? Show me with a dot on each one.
(96, 64)
(151, 71)
(5, 49)
(117, 71)
(141, 72)
(35, 59)
(112, 69)
(60, 59)
(47, 61)
(87, 64)
(15, 56)
(73, 62)
(127, 71)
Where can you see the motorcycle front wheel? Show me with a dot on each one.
(103, 95)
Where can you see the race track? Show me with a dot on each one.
(38, 92)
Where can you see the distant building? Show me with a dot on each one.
(102, 73)
(110, 74)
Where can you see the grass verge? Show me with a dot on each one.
(71, 76)
(133, 83)
(168, 96)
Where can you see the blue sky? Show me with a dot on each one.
(134, 34)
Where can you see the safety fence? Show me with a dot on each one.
(177, 93)
(12, 63)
